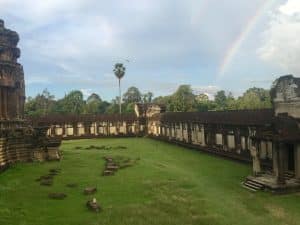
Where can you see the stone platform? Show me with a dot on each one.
(269, 182)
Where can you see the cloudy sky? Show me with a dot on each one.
(210, 44)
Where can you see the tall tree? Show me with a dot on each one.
(93, 104)
(255, 98)
(184, 99)
(93, 97)
(73, 102)
(42, 104)
(220, 100)
(147, 97)
(132, 95)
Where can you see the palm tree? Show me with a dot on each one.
(119, 71)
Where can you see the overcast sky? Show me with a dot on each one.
(210, 44)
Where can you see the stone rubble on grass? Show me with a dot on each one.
(92, 205)
(47, 180)
(90, 190)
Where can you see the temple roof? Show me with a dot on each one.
(60, 119)
(231, 117)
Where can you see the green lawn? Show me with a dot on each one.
(167, 185)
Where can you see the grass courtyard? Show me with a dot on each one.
(167, 185)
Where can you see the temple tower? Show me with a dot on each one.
(12, 88)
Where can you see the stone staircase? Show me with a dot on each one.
(253, 185)
(289, 175)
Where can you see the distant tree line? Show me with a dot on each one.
(183, 100)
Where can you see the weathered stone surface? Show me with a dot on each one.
(285, 95)
(108, 173)
(19, 142)
(46, 182)
(90, 190)
(92, 205)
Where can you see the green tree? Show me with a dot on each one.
(73, 102)
(42, 104)
(201, 98)
(93, 104)
(147, 97)
(93, 97)
(255, 98)
(220, 100)
(132, 95)
(183, 99)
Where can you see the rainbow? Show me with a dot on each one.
(238, 41)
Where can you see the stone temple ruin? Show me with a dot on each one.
(270, 138)
(18, 141)
(267, 138)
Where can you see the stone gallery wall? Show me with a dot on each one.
(226, 133)
(91, 126)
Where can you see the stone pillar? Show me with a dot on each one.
(63, 127)
(96, 128)
(225, 140)
(275, 159)
(189, 133)
(52, 131)
(281, 164)
(75, 129)
(297, 161)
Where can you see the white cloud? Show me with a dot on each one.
(86, 92)
(209, 90)
(291, 7)
(281, 45)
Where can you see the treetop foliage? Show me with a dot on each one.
(182, 100)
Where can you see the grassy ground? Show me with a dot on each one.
(168, 185)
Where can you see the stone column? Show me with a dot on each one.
(189, 133)
(52, 131)
(63, 127)
(281, 164)
(297, 161)
(75, 129)
(275, 159)
(225, 141)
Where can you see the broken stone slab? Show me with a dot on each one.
(112, 167)
(111, 164)
(90, 190)
(108, 158)
(108, 173)
(46, 182)
(93, 206)
(57, 196)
